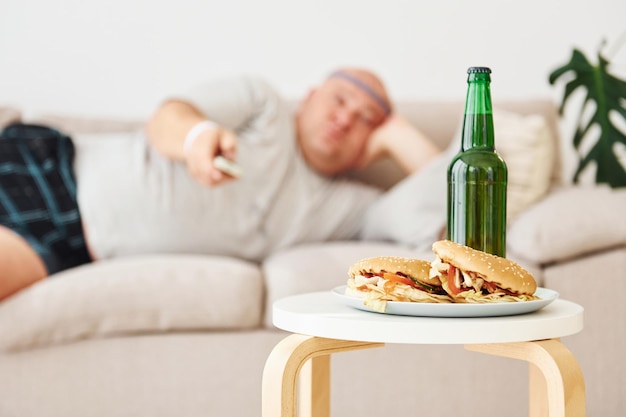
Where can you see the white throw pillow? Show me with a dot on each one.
(528, 148)
(570, 222)
(140, 294)
(413, 211)
(526, 144)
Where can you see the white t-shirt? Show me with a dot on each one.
(135, 201)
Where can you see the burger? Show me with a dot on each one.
(472, 276)
(389, 278)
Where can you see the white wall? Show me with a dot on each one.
(119, 57)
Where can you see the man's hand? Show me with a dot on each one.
(200, 154)
(168, 130)
(403, 142)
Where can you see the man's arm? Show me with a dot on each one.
(403, 142)
(168, 126)
(179, 131)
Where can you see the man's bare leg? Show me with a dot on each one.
(20, 266)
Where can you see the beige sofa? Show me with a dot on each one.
(183, 335)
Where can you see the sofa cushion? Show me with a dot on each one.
(134, 294)
(569, 222)
(321, 267)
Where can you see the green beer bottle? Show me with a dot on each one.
(477, 176)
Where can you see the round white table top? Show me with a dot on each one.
(324, 315)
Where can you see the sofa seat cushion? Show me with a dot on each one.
(321, 267)
(570, 222)
(141, 294)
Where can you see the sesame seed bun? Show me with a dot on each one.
(503, 272)
(415, 268)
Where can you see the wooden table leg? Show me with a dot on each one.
(282, 367)
(557, 386)
(314, 387)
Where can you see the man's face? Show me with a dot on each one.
(336, 120)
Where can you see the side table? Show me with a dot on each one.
(323, 325)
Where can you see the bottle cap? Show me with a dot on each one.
(474, 70)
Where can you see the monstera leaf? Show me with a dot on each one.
(609, 95)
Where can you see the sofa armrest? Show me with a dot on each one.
(570, 222)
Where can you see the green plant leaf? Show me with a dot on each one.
(609, 94)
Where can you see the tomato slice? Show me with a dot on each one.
(397, 278)
(452, 273)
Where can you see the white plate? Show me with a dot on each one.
(401, 308)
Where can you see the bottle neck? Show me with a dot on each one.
(478, 129)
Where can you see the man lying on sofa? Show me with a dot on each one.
(160, 191)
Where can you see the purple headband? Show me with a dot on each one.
(373, 94)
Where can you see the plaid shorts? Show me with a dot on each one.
(38, 194)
